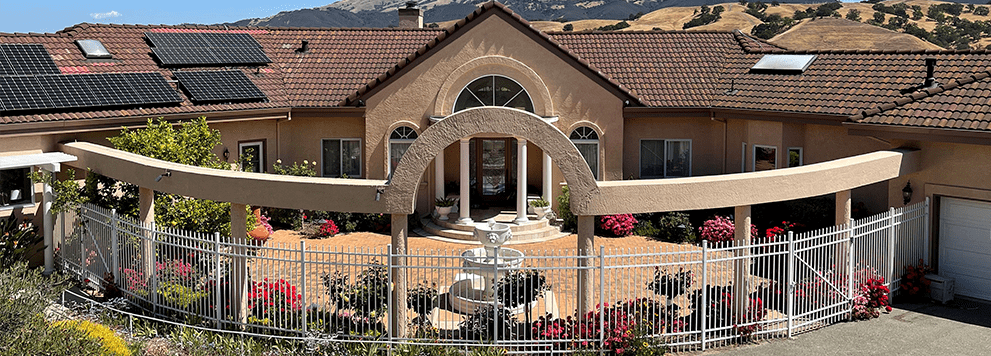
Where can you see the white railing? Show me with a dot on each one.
(680, 296)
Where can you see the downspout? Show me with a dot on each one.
(712, 116)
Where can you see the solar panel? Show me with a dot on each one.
(228, 85)
(43, 92)
(206, 49)
(784, 63)
(26, 59)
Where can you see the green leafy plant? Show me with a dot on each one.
(17, 238)
(444, 202)
(676, 227)
(521, 288)
(539, 203)
(112, 344)
(569, 220)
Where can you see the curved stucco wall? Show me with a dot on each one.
(260, 189)
(489, 120)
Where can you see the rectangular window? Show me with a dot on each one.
(590, 151)
(743, 158)
(342, 157)
(765, 158)
(665, 158)
(16, 187)
(795, 158)
(252, 156)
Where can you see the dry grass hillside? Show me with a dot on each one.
(808, 34)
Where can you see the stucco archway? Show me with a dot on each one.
(401, 191)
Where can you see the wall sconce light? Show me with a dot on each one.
(907, 192)
(227, 154)
(167, 173)
(378, 193)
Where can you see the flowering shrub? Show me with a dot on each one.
(268, 299)
(721, 229)
(112, 345)
(618, 225)
(135, 282)
(782, 230)
(363, 302)
(914, 281)
(625, 328)
(328, 229)
(177, 271)
(871, 297)
(181, 295)
(671, 285)
(264, 221)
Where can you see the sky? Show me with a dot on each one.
(50, 16)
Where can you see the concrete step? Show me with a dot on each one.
(544, 233)
(533, 224)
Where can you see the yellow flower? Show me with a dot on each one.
(306, 162)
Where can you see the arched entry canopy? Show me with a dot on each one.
(401, 191)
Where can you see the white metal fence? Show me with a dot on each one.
(680, 296)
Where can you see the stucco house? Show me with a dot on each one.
(680, 112)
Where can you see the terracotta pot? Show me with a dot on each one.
(259, 234)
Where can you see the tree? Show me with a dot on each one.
(853, 15)
(878, 19)
(192, 144)
(981, 11)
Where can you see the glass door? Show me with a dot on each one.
(493, 171)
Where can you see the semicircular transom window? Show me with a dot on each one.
(493, 90)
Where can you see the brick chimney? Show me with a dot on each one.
(411, 16)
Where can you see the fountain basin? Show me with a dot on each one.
(492, 234)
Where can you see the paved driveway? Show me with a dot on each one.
(962, 328)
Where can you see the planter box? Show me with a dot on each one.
(941, 289)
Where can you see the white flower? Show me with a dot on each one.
(306, 162)
(278, 161)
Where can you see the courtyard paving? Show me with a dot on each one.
(959, 328)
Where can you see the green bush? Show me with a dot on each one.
(24, 293)
(646, 228)
(570, 221)
(38, 337)
(17, 237)
(676, 227)
(111, 344)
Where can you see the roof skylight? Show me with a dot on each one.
(93, 49)
(783, 63)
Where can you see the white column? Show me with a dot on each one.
(464, 218)
(439, 175)
(521, 182)
(548, 189)
(48, 221)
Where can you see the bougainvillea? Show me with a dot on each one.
(264, 221)
(625, 325)
(871, 297)
(618, 225)
(721, 229)
(914, 281)
(328, 229)
(269, 299)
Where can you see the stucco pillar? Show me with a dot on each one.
(741, 275)
(586, 247)
(463, 209)
(146, 214)
(548, 184)
(47, 197)
(397, 313)
(521, 182)
(439, 175)
(843, 214)
(239, 263)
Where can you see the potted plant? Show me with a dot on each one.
(443, 207)
(540, 207)
(259, 229)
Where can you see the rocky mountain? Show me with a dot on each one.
(382, 13)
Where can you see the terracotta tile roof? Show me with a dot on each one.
(841, 83)
(132, 54)
(962, 104)
(665, 68)
(487, 9)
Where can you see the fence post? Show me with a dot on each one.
(390, 307)
(851, 239)
(114, 247)
(216, 280)
(153, 290)
(891, 253)
(926, 253)
(705, 289)
(302, 282)
(602, 299)
(791, 282)
(82, 255)
(61, 240)
(495, 296)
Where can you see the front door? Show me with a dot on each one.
(493, 171)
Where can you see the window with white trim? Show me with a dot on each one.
(765, 158)
(795, 158)
(665, 158)
(341, 157)
(251, 155)
(16, 188)
(493, 90)
(399, 141)
(587, 141)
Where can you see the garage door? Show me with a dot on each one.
(965, 245)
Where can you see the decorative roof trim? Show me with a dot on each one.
(462, 26)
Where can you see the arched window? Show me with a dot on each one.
(493, 90)
(399, 141)
(587, 141)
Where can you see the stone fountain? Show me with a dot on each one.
(483, 267)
